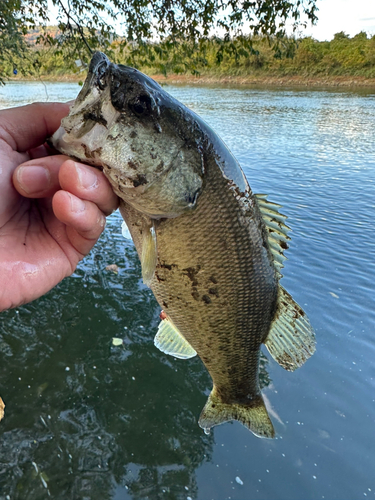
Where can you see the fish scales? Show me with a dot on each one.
(227, 286)
(210, 249)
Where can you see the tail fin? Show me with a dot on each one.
(253, 415)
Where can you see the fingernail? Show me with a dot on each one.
(76, 205)
(87, 178)
(33, 179)
(102, 221)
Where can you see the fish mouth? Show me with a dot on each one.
(99, 63)
(98, 71)
(97, 78)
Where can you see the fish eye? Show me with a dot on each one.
(141, 105)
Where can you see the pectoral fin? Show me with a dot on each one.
(291, 340)
(149, 255)
(170, 341)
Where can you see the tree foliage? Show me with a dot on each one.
(85, 25)
(12, 31)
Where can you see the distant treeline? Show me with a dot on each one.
(342, 56)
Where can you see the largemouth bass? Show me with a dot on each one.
(210, 249)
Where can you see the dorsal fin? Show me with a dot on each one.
(170, 341)
(277, 230)
(291, 340)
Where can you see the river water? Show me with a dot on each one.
(87, 420)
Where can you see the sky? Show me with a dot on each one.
(350, 16)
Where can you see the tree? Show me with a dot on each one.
(87, 24)
(12, 29)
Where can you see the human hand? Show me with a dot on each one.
(52, 209)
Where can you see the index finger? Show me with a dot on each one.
(29, 126)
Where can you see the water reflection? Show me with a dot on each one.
(85, 419)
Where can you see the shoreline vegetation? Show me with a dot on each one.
(227, 80)
(341, 62)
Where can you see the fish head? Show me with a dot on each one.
(147, 143)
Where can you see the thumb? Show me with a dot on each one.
(39, 178)
(29, 126)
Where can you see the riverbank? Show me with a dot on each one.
(228, 80)
(268, 81)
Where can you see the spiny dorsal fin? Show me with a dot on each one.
(149, 255)
(277, 230)
(291, 340)
(170, 341)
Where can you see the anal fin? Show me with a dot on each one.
(170, 341)
(291, 340)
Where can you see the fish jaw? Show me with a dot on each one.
(83, 131)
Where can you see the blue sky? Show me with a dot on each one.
(350, 16)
